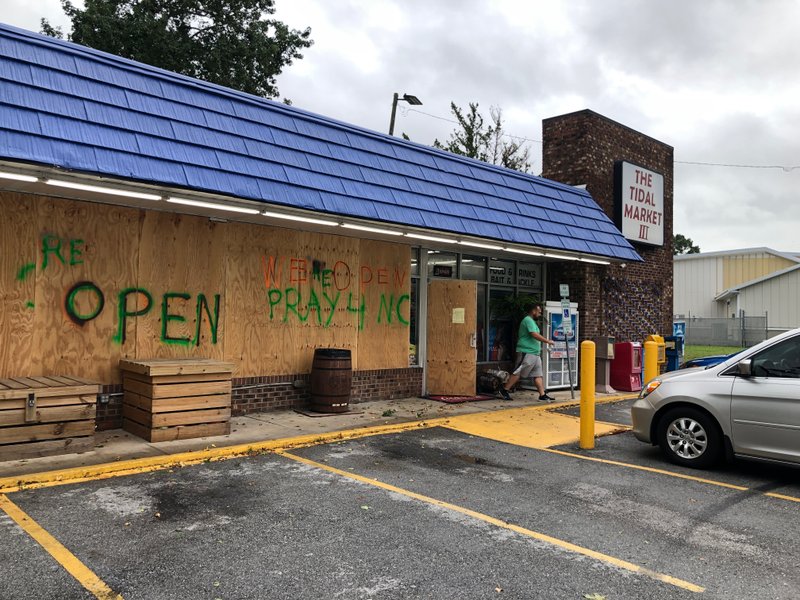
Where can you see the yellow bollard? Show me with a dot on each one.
(587, 394)
(650, 362)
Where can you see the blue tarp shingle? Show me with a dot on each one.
(73, 107)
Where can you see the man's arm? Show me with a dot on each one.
(541, 338)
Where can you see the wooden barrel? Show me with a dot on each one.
(331, 380)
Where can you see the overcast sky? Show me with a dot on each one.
(717, 80)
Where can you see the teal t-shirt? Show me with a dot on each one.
(525, 341)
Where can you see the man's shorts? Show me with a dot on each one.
(531, 366)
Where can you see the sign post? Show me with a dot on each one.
(566, 325)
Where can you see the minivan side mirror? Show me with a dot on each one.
(744, 368)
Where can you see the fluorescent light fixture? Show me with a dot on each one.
(101, 190)
(430, 238)
(595, 261)
(214, 205)
(371, 229)
(486, 246)
(561, 256)
(528, 252)
(18, 177)
(274, 215)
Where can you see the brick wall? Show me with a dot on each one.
(627, 302)
(258, 394)
(109, 415)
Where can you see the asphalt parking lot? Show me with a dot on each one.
(427, 513)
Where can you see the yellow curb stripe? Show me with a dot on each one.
(145, 465)
(623, 564)
(620, 427)
(603, 400)
(157, 463)
(85, 576)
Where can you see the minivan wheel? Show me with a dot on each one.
(689, 437)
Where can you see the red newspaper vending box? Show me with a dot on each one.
(626, 368)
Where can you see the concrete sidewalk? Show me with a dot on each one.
(118, 445)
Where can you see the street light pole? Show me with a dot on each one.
(413, 100)
(394, 112)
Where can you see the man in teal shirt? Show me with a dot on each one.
(529, 354)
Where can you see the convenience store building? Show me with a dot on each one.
(146, 214)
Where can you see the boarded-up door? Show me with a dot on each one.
(452, 321)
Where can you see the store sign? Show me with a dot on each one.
(501, 271)
(639, 203)
(442, 271)
(530, 275)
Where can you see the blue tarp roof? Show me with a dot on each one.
(76, 108)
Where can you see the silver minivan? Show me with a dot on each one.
(746, 406)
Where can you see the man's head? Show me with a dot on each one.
(534, 310)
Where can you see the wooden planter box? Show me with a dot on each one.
(176, 399)
(44, 416)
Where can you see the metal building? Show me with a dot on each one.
(756, 282)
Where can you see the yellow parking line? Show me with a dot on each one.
(782, 497)
(618, 463)
(85, 576)
(623, 564)
(648, 469)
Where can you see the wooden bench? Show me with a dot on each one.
(44, 416)
(176, 399)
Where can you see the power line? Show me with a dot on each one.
(785, 169)
(711, 164)
(515, 137)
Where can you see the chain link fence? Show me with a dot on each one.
(738, 332)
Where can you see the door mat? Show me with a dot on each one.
(311, 413)
(460, 399)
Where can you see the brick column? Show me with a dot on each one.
(627, 302)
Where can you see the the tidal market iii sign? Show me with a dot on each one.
(639, 203)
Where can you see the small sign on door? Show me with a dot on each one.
(458, 315)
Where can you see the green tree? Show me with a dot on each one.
(232, 43)
(683, 245)
(476, 138)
